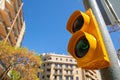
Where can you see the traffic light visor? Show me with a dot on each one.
(77, 20)
(82, 43)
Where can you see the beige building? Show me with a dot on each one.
(12, 24)
(64, 67)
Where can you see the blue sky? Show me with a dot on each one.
(46, 25)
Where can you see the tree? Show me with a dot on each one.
(15, 75)
(19, 60)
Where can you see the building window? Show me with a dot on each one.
(71, 66)
(49, 58)
(43, 77)
(48, 76)
(66, 65)
(77, 78)
(66, 77)
(44, 59)
(55, 77)
(66, 59)
(71, 77)
(70, 71)
(60, 77)
(48, 64)
(48, 70)
(66, 71)
(60, 65)
(43, 65)
(60, 71)
(56, 65)
(60, 59)
(56, 71)
(56, 58)
(39, 67)
(76, 72)
(70, 60)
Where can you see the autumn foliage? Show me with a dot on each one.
(18, 63)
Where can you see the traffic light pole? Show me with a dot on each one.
(112, 72)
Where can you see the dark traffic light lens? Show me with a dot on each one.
(78, 24)
(82, 47)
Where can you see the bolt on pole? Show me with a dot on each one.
(112, 72)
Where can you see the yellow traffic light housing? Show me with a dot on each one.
(86, 44)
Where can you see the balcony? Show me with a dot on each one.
(19, 4)
(10, 8)
(19, 24)
(5, 17)
(90, 76)
(68, 67)
(2, 30)
(58, 66)
(21, 34)
(12, 37)
(68, 73)
(57, 74)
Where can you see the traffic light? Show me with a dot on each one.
(86, 44)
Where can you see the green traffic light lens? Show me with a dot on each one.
(82, 47)
(78, 24)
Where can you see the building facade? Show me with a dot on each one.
(64, 67)
(12, 24)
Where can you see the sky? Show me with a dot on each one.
(46, 25)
